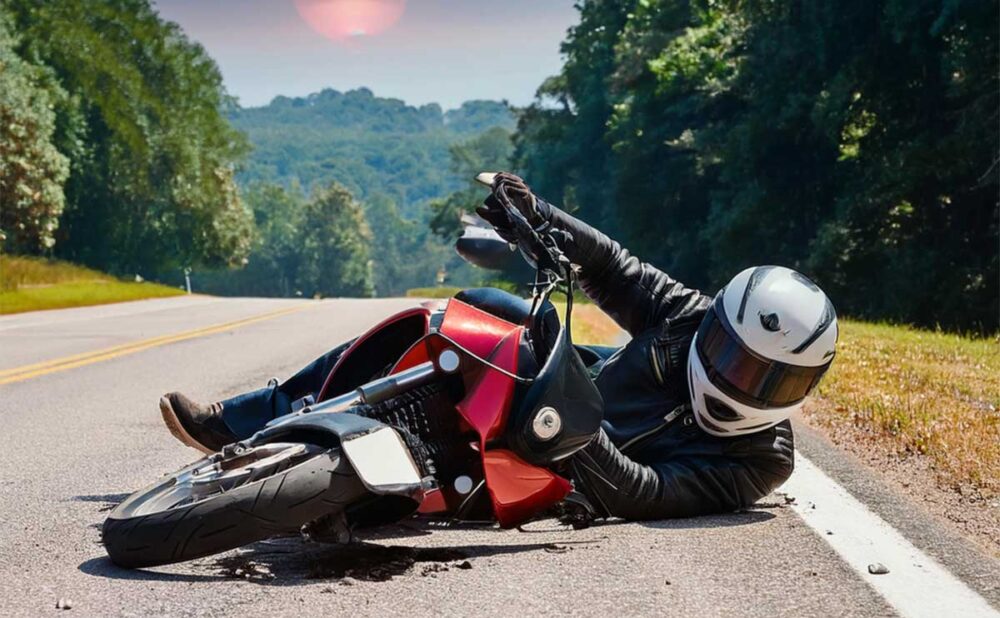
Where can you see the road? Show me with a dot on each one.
(78, 393)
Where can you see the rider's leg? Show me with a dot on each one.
(209, 427)
(246, 413)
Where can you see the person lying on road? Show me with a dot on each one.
(696, 404)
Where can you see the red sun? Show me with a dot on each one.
(344, 19)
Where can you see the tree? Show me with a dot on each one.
(855, 141)
(488, 152)
(32, 170)
(561, 142)
(672, 83)
(370, 144)
(273, 266)
(151, 155)
(913, 231)
(407, 254)
(335, 245)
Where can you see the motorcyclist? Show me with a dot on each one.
(696, 403)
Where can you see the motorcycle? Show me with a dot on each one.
(462, 412)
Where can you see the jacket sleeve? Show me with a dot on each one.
(635, 294)
(682, 486)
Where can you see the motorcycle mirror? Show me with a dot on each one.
(485, 248)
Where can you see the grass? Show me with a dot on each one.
(919, 393)
(592, 326)
(438, 292)
(31, 284)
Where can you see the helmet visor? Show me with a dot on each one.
(743, 375)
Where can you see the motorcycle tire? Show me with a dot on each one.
(142, 532)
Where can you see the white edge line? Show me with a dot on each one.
(916, 584)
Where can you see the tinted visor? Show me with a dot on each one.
(746, 377)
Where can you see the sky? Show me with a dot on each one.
(421, 51)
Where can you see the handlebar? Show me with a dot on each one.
(538, 246)
(540, 249)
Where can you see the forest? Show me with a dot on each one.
(389, 159)
(856, 141)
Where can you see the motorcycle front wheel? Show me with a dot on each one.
(223, 502)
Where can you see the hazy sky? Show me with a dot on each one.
(444, 51)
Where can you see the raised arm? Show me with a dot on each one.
(635, 294)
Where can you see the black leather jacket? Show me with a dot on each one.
(652, 460)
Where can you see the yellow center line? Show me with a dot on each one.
(35, 370)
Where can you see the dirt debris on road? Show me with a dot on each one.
(378, 563)
(291, 558)
(368, 562)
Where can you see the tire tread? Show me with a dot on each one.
(235, 518)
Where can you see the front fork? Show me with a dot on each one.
(383, 389)
(375, 450)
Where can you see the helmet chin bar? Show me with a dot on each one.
(752, 419)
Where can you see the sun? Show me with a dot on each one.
(343, 19)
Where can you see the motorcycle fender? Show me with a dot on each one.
(376, 452)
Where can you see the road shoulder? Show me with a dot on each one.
(926, 529)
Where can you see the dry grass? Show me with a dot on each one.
(919, 394)
(593, 326)
(31, 284)
(20, 271)
(438, 292)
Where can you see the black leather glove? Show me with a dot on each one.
(512, 189)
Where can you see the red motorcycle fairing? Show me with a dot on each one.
(487, 403)
(518, 490)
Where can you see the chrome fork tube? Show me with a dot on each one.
(382, 389)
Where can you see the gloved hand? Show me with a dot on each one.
(513, 189)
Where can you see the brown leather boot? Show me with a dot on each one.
(199, 426)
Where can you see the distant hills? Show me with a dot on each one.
(370, 144)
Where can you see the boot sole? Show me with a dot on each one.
(177, 429)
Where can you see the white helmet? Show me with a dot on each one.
(765, 342)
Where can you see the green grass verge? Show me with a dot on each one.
(918, 393)
(32, 284)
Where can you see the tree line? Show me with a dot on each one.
(115, 150)
(371, 144)
(121, 149)
(395, 159)
(856, 141)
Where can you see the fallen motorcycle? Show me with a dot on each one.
(463, 412)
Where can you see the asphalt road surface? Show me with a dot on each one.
(78, 393)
